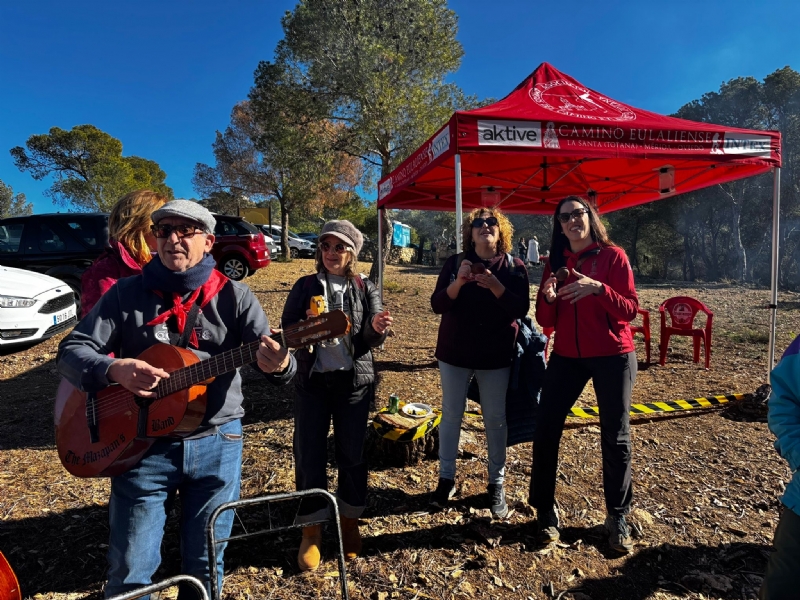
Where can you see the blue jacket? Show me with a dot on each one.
(784, 418)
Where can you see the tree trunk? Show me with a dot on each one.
(287, 252)
(688, 259)
(634, 258)
(387, 245)
(387, 229)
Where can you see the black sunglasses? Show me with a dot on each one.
(575, 214)
(480, 221)
(338, 248)
(165, 230)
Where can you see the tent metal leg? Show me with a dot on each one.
(380, 253)
(459, 204)
(773, 303)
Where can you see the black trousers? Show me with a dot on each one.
(781, 578)
(564, 380)
(322, 398)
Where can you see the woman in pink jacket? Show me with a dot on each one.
(587, 295)
(130, 245)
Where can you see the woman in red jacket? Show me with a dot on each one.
(130, 245)
(590, 304)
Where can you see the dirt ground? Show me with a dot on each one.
(706, 486)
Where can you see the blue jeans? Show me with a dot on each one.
(493, 384)
(322, 398)
(205, 472)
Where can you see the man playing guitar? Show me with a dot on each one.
(179, 299)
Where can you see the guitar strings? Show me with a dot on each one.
(120, 401)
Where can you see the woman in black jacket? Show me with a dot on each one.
(335, 380)
(480, 293)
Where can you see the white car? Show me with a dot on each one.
(298, 247)
(33, 307)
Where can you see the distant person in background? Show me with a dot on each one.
(130, 245)
(533, 251)
(434, 250)
(780, 580)
(522, 249)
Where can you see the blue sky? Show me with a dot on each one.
(162, 76)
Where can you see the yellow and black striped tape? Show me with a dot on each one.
(406, 435)
(661, 407)
(652, 407)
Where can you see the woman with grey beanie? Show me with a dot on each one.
(335, 381)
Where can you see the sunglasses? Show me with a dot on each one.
(488, 221)
(165, 230)
(338, 248)
(575, 214)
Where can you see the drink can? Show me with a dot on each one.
(394, 404)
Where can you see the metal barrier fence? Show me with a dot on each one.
(163, 585)
(212, 541)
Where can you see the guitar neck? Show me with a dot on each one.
(303, 333)
(222, 363)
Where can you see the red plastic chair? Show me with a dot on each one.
(547, 332)
(682, 311)
(644, 329)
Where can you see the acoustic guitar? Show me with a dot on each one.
(9, 586)
(106, 433)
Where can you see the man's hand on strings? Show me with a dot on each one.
(136, 376)
(271, 356)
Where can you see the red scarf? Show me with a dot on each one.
(181, 309)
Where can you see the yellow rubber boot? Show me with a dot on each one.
(351, 538)
(308, 555)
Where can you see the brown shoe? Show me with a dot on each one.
(308, 555)
(351, 538)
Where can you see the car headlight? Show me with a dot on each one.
(14, 302)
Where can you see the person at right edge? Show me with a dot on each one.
(591, 312)
(780, 580)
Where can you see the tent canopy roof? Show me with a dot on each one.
(552, 137)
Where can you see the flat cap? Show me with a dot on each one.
(345, 231)
(188, 210)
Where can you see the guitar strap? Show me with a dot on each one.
(181, 341)
(191, 319)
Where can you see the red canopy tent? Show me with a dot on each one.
(553, 137)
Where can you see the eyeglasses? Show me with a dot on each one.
(575, 214)
(165, 230)
(338, 248)
(488, 221)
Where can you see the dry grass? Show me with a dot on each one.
(706, 487)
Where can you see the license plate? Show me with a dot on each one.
(64, 315)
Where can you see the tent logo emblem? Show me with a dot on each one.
(384, 189)
(439, 144)
(569, 99)
(550, 137)
(743, 143)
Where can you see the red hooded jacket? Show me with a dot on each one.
(113, 264)
(595, 325)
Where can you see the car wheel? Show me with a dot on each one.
(76, 292)
(235, 268)
(295, 253)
